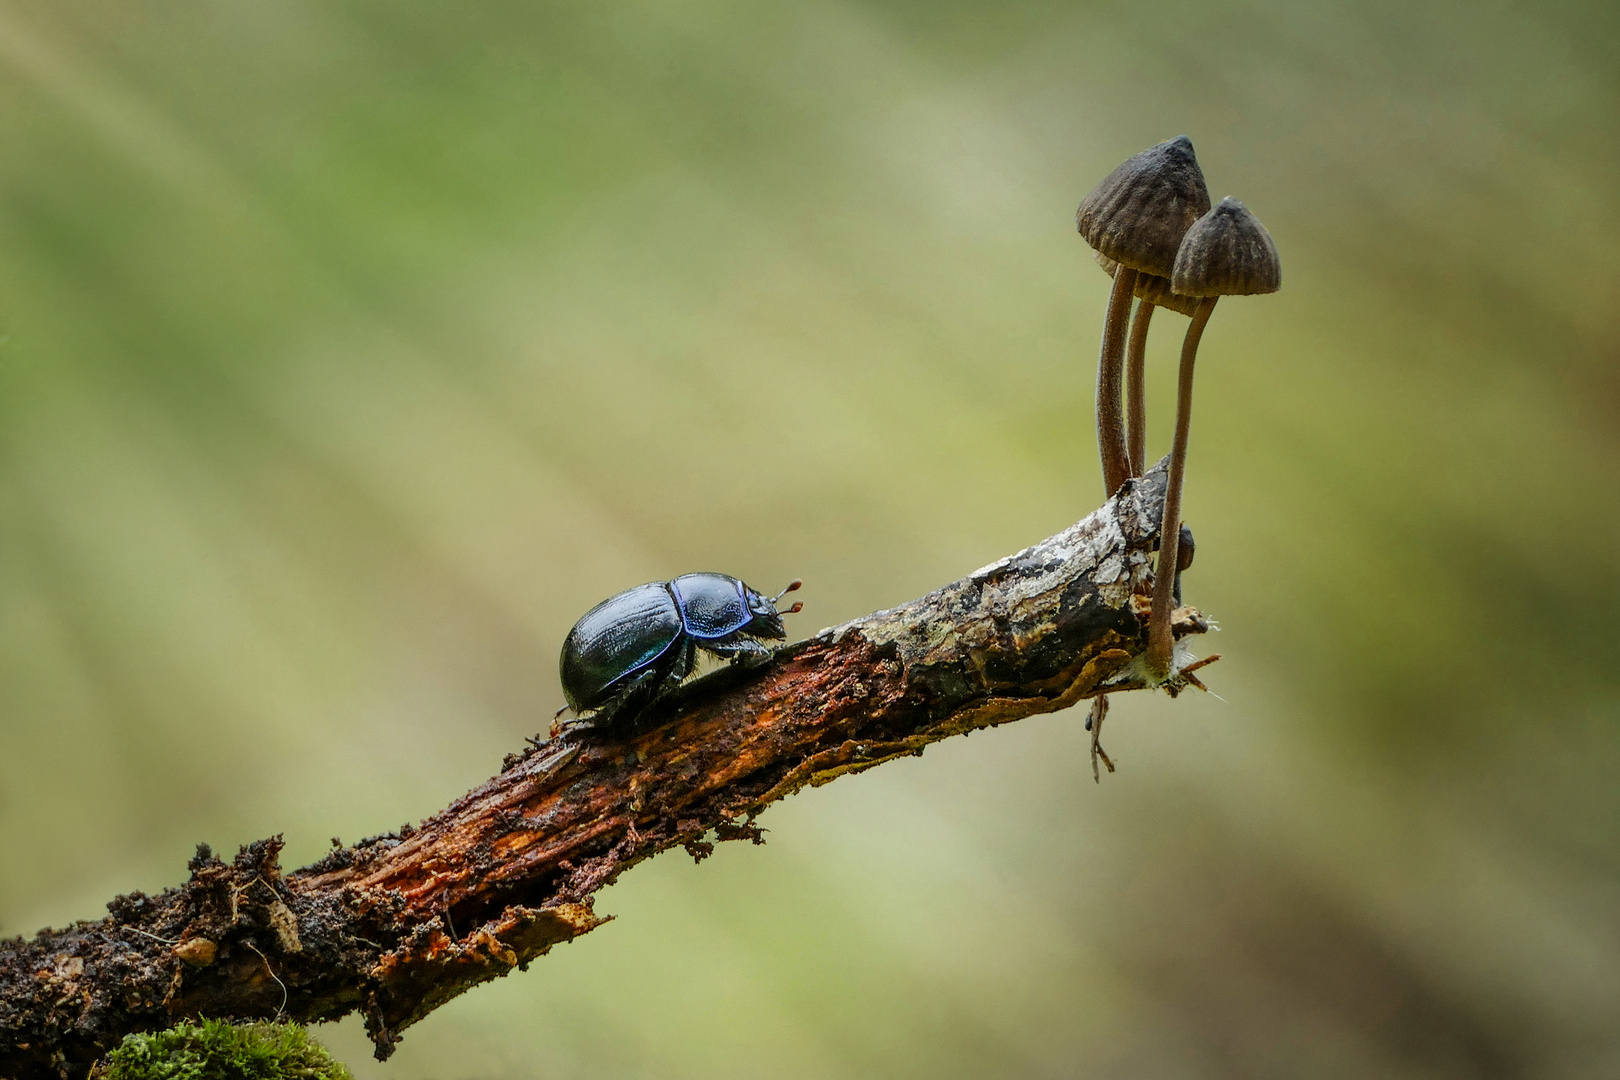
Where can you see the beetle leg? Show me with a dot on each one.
(684, 663)
(623, 710)
(739, 648)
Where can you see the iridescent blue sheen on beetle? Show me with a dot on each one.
(634, 648)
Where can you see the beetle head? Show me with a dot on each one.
(767, 621)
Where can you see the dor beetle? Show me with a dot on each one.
(634, 648)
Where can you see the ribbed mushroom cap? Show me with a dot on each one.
(1227, 252)
(1152, 288)
(1139, 213)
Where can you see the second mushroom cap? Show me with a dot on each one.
(1152, 288)
(1227, 252)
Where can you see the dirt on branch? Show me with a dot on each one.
(397, 925)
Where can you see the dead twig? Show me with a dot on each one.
(514, 863)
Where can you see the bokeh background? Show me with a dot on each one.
(350, 349)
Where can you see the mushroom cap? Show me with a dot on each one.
(1152, 288)
(1227, 252)
(1139, 213)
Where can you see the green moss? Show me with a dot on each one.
(216, 1050)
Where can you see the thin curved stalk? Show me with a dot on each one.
(1135, 391)
(1116, 465)
(1159, 647)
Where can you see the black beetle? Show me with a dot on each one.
(634, 648)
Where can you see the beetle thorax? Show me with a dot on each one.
(711, 605)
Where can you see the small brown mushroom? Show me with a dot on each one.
(1152, 288)
(1226, 253)
(1136, 217)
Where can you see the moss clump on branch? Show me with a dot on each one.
(217, 1050)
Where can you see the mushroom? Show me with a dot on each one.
(1227, 252)
(1136, 217)
(1151, 291)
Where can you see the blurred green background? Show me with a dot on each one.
(350, 350)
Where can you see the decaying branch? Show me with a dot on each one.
(398, 925)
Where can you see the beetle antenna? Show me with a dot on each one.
(794, 610)
(792, 586)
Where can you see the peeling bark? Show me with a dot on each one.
(397, 925)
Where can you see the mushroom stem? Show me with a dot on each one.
(1116, 465)
(1159, 644)
(1135, 392)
